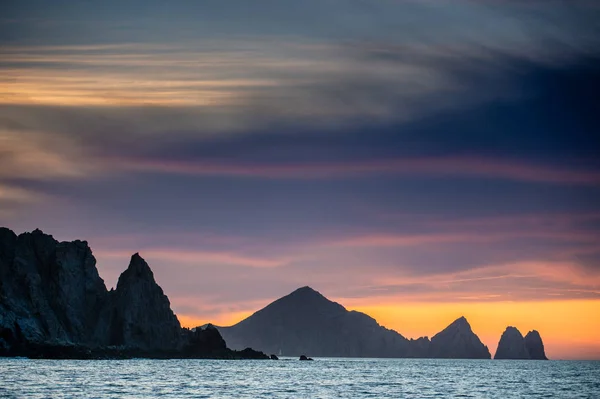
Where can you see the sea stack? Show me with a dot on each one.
(535, 346)
(512, 345)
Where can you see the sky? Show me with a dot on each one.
(416, 160)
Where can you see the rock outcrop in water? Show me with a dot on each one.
(535, 346)
(307, 322)
(513, 345)
(54, 304)
(458, 341)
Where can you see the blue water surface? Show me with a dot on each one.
(323, 378)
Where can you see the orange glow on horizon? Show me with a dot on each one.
(223, 319)
(570, 328)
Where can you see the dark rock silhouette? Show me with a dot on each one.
(307, 322)
(535, 346)
(53, 304)
(458, 341)
(303, 357)
(207, 342)
(420, 346)
(511, 345)
(274, 357)
(201, 338)
(49, 291)
(139, 314)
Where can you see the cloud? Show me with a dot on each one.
(520, 281)
(15, 194)
(13, 200)
(191, 257)
(399, 240)
(427, 98)
(436, 167)
(456, 56)
(36, 155)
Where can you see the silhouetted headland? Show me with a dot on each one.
(54, 304)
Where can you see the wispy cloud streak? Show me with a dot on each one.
(436, 167)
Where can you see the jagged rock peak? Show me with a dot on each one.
(308, 299)
(458, 341)
(141, 314)
(304, 291)
(138, 268)
(461, 322)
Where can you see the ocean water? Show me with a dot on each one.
(323, 378)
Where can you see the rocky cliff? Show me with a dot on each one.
(513, 345)
(53, 303)
(49, 291)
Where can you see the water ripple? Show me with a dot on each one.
(323, 378)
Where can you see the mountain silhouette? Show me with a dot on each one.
(458, 341)
(306, 322)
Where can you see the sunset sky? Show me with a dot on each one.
(416, 160)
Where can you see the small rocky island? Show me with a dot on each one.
(513, 345)
(53, 304)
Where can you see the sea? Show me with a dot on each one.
(291, 378)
